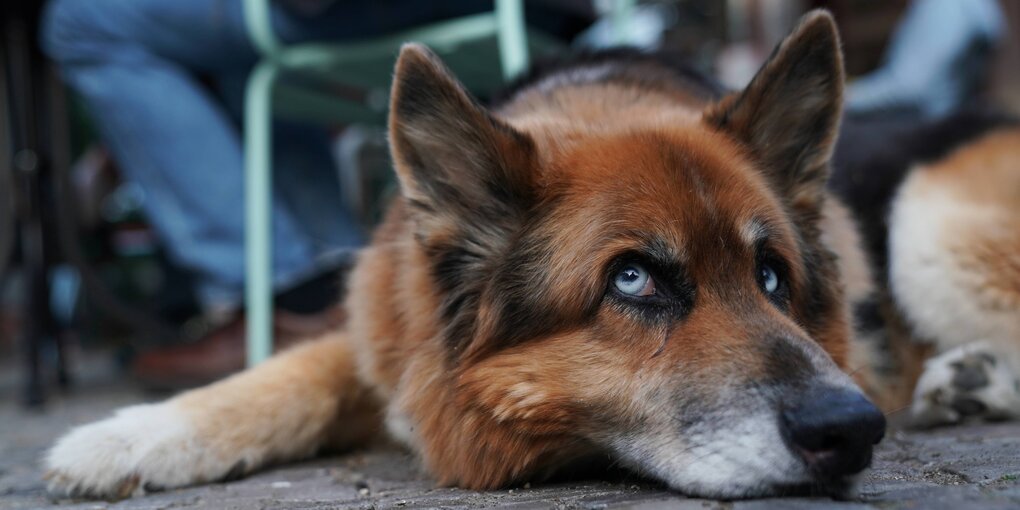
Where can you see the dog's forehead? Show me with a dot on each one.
(678, 183)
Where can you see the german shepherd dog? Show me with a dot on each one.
(617, 260)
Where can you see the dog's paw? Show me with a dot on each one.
(141, 448)
(965, 382)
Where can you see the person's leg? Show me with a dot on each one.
(132, 63)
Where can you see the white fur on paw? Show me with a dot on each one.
(968, 381)
(141, 447)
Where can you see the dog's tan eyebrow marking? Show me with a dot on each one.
(754, 231)
(663, 251)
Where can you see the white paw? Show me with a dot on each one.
(140, 448)
(968, 381)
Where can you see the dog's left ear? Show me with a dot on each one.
(789, 114)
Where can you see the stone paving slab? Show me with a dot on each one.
(969, 467)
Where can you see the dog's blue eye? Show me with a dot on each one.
(768, 279)
(634, 280)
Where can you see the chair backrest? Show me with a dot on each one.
(360, 72)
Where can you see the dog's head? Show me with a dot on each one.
(658, 293)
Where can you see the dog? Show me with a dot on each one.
(938, 206)
(617, 260)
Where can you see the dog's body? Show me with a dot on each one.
(614, 261)
(939, 207)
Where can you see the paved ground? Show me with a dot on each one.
(972, 467)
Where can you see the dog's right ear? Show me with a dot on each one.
(459, 168)
(789, 114)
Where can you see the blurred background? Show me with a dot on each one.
(128, 127)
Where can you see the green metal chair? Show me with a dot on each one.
(301, 82)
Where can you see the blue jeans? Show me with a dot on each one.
(134, 63)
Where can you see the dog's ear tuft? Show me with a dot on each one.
(789, 114)
(453, 159)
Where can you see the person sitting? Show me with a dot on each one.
(142, 68)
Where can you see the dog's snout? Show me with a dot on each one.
(834, 430)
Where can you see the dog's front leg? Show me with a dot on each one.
(284, 409)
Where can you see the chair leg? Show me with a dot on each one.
(33, 334)
(258, 158)
(620, 14)
(36, 293)
(513, 37)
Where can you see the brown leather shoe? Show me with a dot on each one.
(221, 352)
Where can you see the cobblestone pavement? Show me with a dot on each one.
(970, 467)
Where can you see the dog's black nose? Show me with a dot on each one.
(834, 430)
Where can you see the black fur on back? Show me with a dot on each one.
(875, 154)
(653, 70)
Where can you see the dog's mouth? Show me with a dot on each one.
(828, 475)
(604, 467)
(835, 464)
